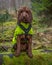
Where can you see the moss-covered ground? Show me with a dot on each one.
(39, 58)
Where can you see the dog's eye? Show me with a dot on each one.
(27, 11)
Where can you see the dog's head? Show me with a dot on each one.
(24, 15)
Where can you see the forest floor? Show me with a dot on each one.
(39, 58)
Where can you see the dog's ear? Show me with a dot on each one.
(31, 17)
(19, 12)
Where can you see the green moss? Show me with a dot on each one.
(21, 60)
(38, 59)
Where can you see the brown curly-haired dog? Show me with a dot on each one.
(24, 41)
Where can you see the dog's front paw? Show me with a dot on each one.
(30, 54)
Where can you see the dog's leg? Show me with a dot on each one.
(29, 46)
(17, 51)
(23, 45)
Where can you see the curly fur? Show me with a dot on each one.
(24, 13)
